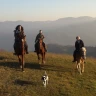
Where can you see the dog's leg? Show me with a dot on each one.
(44, 83)
(47, 81)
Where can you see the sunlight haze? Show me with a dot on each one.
(43, 10)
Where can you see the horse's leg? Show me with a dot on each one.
(79, 66)
(44, 58)
(82, 66)
(19, 61)
(22, 62)
(38, 58)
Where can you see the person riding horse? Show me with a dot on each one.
(78, 45)
(39, 36)
(18, 34)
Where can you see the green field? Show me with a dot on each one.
(64, 80)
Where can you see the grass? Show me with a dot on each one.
(64, 80)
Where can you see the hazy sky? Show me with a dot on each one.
(43, 10)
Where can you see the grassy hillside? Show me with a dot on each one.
(64, 80)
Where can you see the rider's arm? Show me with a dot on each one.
(36, 38)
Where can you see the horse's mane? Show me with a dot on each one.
(83, 49)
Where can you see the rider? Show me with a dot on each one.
(18, 33)
(40, 36)
(78, 45)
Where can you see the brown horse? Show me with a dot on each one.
(80, 59)
(40, 50)
(20, 52)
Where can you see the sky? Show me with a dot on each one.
(44, 10)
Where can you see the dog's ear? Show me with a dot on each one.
(45, 73)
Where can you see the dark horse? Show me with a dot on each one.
(40, 50)
(20, 52)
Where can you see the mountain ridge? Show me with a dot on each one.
(62, 33)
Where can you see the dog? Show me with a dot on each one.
(45, 79)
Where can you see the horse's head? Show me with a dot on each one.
(83, 49)
(40, 41)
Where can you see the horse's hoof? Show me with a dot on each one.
(21, 67)
(82, 71)
(23, 71)
(43, 62)
(39, 63)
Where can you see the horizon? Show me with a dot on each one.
(45, 10)
(48, 20)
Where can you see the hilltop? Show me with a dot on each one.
(64, 80)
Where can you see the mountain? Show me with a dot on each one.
(62, 31)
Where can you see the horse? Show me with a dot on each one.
(20, 52)
(40, 50)
(80, 60)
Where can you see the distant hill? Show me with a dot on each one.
(62, 31)
(59, 49)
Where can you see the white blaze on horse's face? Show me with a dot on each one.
(22, 40)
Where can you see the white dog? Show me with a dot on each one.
(45, 79)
